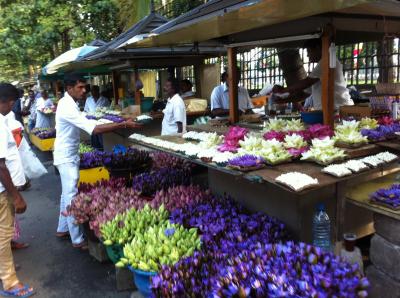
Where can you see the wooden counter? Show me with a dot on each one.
(258, 191)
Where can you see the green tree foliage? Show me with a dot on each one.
(36, 31)
(132, 11)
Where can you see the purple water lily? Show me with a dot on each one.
(44, 133)
(246, 161)
(387, 196)
(265, 270)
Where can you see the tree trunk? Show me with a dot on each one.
(385, 61)
(292, 66)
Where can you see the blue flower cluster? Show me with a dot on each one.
(389, 197)
(247, 255)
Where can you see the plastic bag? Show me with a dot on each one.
(33, 168)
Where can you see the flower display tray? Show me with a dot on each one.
(91, 176)
(246, 169)
(42, 144)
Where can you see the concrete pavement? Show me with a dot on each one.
(50, 265)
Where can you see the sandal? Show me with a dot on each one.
(83, 245)
(18, 292)
(18, 245)
(62, 234)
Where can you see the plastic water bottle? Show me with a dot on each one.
(322, 229)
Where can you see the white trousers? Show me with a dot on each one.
(69, 173)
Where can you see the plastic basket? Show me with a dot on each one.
(146, 104)
(114, 252)
(142, 280)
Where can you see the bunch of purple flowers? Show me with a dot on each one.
(387, 196)
(91, 160)
(246, 161)
(44, 133)
(266, 270)
(147, 184)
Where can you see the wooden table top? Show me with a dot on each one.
(270, 173)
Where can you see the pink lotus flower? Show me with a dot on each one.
(278, 135)
(319, 131)
(297, 152)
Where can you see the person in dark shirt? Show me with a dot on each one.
(17, 107)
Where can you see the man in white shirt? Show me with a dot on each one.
(11, 201)
(186, 89)
(69, 122)
(43, 120)
(95, 101)
(174, 120)
(341, 96)
(92, 103)
(220, 99)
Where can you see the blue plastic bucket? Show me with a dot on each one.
(312, 117)
(142, 280)
(146, 104)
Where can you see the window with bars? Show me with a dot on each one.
(187, 72)
(260, 66)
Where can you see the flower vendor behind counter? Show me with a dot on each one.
(69, 121)
(174, 120)
(91, 105)
(313, 81)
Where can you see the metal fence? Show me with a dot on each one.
(260, 66)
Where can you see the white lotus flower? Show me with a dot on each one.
(294, 141)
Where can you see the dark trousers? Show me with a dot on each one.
(97, 142)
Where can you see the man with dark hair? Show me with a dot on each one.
(224, 77)
(174, 120)
(95, 101)
(186, 89)
(11, 201)
(31, 107)
(17, 108)
(313, 81)
(69, 122)
(91, 105)
(220, 98)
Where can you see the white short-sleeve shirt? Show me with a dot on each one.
(69, 121)
(91, 105)
(342, 95)
(220, 98)
(9, 151)
(43, 120)
(175, 111)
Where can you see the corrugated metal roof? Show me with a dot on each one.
(144, 26)
(225, 18)
(213, 7)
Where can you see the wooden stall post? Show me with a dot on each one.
(233, 87)
(328, 77)
(138, 97)
(197, 78)
(115, 86)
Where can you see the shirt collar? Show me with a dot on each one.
(225, 87)
(169, 99)
(69, 98)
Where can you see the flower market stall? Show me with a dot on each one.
(43, 138)
(285, 147)
(179, 239)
